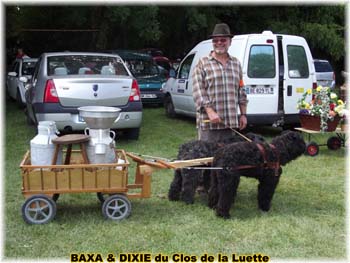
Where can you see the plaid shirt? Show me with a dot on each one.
(219, 88)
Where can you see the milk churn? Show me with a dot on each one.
(41, 147)
(101, 147)
(99, 119)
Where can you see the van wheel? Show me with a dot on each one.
(169, 107)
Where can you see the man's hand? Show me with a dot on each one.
(242, 122)
(213, 116)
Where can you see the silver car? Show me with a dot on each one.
(64, 81)
(324, 73)
(21, 67)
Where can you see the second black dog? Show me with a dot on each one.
(247, 159)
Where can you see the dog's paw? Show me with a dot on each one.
(223, 215)
(187, 201)
(173, 197)
(264, 208)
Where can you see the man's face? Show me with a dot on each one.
(221, 44)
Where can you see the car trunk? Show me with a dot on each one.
(75, 92)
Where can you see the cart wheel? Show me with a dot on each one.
(312, 149)
(334, 143)
(116, 207)
(38, 209)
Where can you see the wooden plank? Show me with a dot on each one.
(338, 130)
(134, 195)
(192, 162)
(25, 159)
(62, 191)
(134, 186)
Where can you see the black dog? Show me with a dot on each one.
(187, 180)
(251, 160)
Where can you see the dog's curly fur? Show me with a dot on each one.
(224, 183)
(186, 181)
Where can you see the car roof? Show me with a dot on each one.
(65, 53)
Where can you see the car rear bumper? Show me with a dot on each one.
(153, 96)
(131, 117)
(71, 121)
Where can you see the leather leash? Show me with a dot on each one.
(234, 130)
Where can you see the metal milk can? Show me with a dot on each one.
(101, 147)
(41, 147)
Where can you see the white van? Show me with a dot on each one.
(277, 70)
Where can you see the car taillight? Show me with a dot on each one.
(50, 94)
(135, 91)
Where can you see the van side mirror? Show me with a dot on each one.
(12, 74)
(23, 79)
(172, 73)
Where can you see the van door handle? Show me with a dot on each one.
(289, 90)
(186, 84)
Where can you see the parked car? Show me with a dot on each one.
(149, 76)
(64, 81)
(154, 52)
(15, 87)
(159, 58)
(162, 61)
(324, 73)
(273, 85)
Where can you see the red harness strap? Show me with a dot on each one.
(265, 165)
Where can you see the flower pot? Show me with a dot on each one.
(314, 122)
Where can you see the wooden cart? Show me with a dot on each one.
(42, 185)
(334, 142)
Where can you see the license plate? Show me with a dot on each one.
(259, 90)
(148, 96)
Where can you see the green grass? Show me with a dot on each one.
(306, 221)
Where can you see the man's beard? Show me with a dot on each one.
(220, 51)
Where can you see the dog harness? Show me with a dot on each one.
(265, 165)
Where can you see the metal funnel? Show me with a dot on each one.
(99, 117)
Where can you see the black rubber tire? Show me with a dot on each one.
(169, 107)
(133, 134)
(312, 149)
(334, 143)
(19, 101)
(116, 207)
(38, 209)
(29, 121)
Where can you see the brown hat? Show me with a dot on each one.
(221, 30)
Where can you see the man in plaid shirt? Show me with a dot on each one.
(218, 90)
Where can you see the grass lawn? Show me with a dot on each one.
(306, 221)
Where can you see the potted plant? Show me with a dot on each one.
(320, 109)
